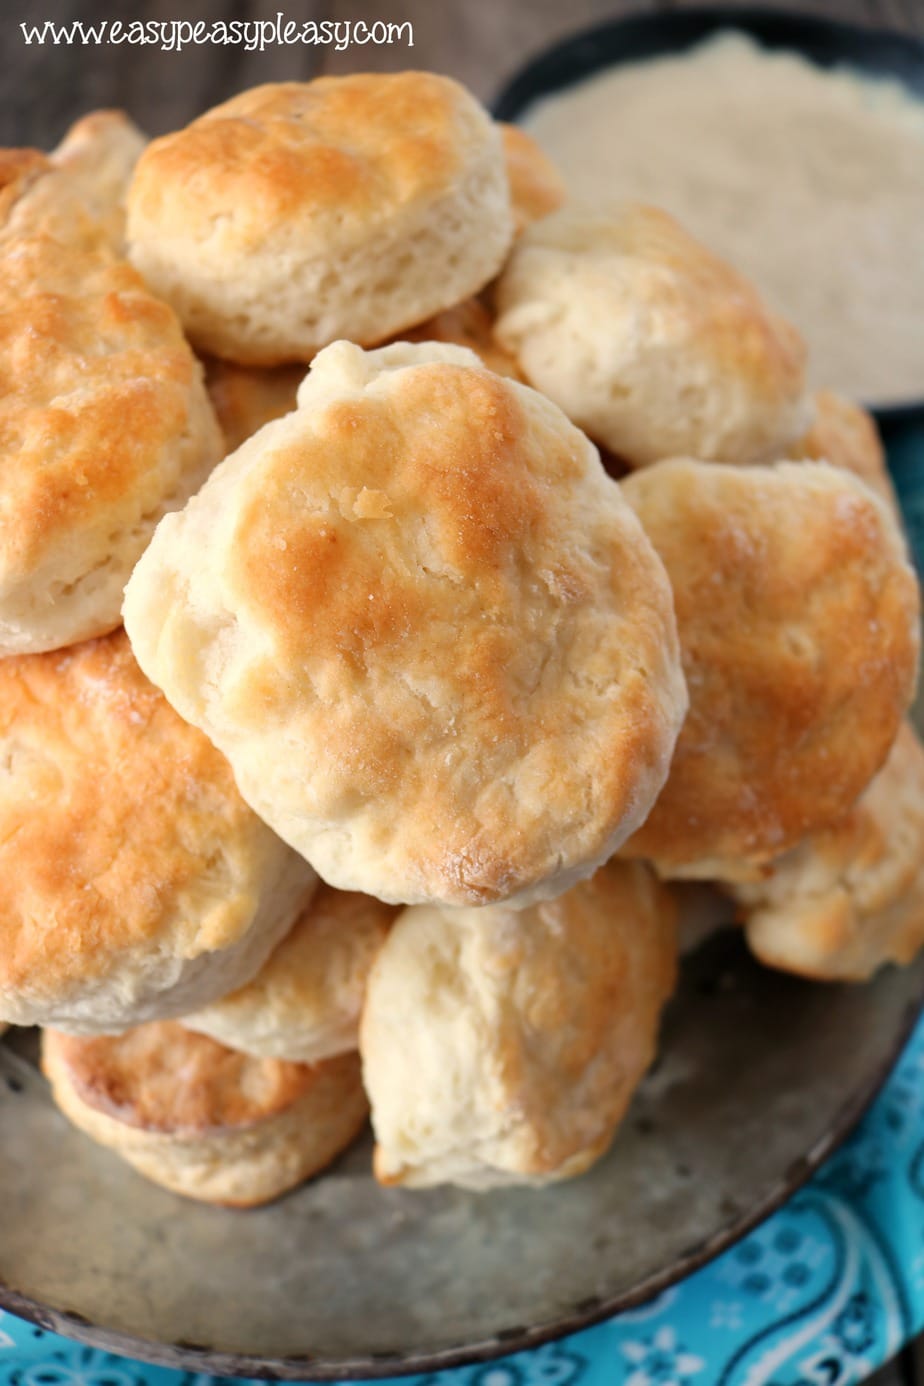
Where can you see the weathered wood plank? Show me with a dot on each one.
(479, 41)
(906, 15)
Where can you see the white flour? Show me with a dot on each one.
(811, 182)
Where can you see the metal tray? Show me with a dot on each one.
(760, 1076)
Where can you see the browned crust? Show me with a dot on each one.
(163, 1078)
(799, 625)
(112, 808)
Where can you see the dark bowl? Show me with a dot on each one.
(828, 43)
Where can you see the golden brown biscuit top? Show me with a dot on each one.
(345, 153)
(95, 383)
(457, 474)
(247, 397)
(798, 615)
(536, 186)
(164, 1079)
(422, 624)
(120, 825)
(485, 572)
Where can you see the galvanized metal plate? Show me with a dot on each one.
(760, 1076)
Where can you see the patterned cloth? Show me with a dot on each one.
(821, 1294)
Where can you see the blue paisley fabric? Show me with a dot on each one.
(821, 1294)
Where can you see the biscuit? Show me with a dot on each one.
(135, 883)
(305, 1001)
(21, 171)
(845, 435)
(652, 345)
(468, 324)
(850, 898)
(799, 617)
(78, 192)
(536, 187)
(96, 158)
(104, 421)
(202, 1120)
(430, 637)
(299, 213)
(247, 397)
(503, 1046)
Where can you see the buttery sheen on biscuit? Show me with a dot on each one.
(799, 620)
(299, 213)
(503, 1046)
(850, 898)
(135, 883)
(304, 1003)
(426, 630)
(202, 1120)
(647, 341)
(104, 419)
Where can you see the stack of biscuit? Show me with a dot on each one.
(376, 798)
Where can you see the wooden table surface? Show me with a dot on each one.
(479, 41)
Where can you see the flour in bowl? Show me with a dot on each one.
(810, 181)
